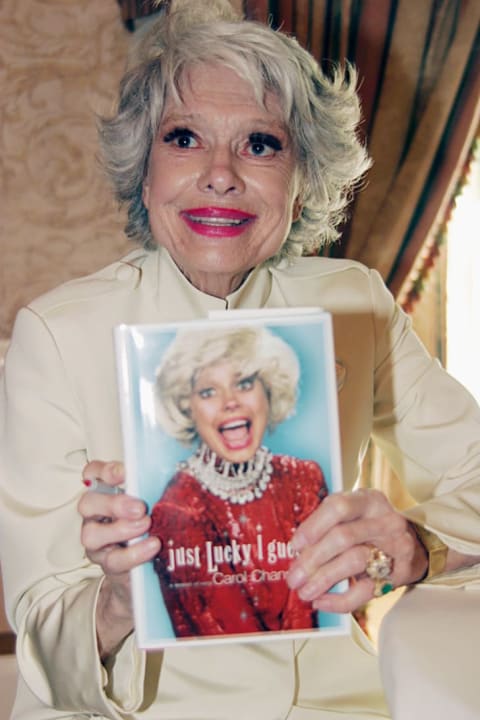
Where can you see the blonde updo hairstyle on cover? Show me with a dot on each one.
(250, 350)
(321, 112)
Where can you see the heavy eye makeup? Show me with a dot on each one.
(258, 144)
(182, 137)
(247, 383)
(262, 144)
(244, 384)
(205, 392)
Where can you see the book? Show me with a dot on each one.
(230, 431)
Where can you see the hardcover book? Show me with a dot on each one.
(230, 429)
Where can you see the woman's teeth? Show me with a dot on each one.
(218, 222)
(234, 425)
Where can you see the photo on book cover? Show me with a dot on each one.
(231, 437)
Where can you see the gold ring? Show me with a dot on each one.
(379, 567)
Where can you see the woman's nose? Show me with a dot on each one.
(221, 174)
(230, 399)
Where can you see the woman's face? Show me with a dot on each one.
(221, 188)
(230, 411)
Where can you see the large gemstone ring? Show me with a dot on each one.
(379, 568)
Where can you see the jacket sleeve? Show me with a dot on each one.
(50, 586)
(428, 426)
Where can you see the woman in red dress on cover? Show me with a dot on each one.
(227, 516)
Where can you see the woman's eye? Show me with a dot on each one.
(263, 144)
(182, 138)
(206, 392)
(246, 383)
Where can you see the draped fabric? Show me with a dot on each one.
(419, 72)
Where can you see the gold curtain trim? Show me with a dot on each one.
(416, 281)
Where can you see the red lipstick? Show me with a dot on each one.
(217, 221)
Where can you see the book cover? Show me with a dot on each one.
(231, 437)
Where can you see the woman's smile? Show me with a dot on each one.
(217, 221)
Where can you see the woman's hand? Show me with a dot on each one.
(109, 523)
(336, 541)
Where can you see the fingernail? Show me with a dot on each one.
(117, 470)
(298, 542)
(136, 510)
(296, 577)
(140, 523)
(152, 543)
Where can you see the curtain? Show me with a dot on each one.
(419, 73)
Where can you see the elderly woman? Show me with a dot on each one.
(224, 387)
(233, 153)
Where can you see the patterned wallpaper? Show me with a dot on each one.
(60, 65)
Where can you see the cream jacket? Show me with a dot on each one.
(59, 409)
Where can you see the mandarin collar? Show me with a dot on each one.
(177, 299)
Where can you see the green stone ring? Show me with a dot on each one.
(386, 588)
(379, 568)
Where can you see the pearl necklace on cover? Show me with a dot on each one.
(239, 483)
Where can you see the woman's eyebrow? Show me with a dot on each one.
(272, 125)
(246, 376)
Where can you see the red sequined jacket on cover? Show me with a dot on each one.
(222, 565)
